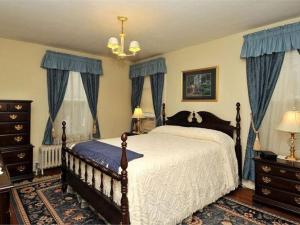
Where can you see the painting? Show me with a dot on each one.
(200, 84)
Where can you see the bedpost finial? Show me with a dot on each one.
(64, 124)
(124, 137)
(238, 105)
(64, 136)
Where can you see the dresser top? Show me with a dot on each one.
(12, 101)
(280, 162)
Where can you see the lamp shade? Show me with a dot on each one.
(290, 122)
(113, 43)
(134, 46)
(138, 113)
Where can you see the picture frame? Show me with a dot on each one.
(200, 84)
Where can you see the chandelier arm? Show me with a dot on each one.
(119, 49)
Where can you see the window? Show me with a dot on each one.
(75, 111)
(285, 97)
(147, 106)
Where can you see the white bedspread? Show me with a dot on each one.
(183, 170)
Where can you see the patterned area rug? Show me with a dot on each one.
(42, 202)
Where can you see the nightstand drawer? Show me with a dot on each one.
(17, 155)
(13, 128)
(278, 195)
(277, 171)
(14, 139)
(278, 182)
(14, 117)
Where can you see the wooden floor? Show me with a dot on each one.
(243, 195)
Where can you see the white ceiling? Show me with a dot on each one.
(159, 26)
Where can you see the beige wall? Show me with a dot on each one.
(224, 53)
(22, 78)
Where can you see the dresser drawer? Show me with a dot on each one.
(278, 182)
(18, 154)
(18, 107)
(14, 117)
(3, 107)
(278, 195)
(14, 128)
(18, 169)
(14, 139)
(278, 171)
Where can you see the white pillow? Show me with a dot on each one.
(194, 132)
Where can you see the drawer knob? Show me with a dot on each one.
(297, 200)
(18, 127)
(266, 169)
(18, 138)
(21, 155)
(13, 116)
(21, 168)
(266, 179)
(298, 175)
(282, 171)
(18, 107)
(265, 191)
(297, 186)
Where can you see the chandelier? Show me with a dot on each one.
(118, 49)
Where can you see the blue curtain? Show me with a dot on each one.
(57, 81)
(157, 87)
(136, 93)
(279, 39)
(91, 88)
(62, 61)
(147, 68)
(262, 75)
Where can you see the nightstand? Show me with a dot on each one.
(277, 183)
(5, 186)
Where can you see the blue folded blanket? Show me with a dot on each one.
(104, 154)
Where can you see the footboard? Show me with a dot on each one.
(96, 197)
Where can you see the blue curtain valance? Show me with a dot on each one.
(62, 61)
(150, 67)
(279, 39)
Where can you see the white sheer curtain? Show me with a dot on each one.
(75, 111)
(286, 96)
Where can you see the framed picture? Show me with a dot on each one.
(200, 84)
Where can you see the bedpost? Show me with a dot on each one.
(63, 158)
(238, 146)
(124, 183)
(164, 113)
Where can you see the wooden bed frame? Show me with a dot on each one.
(104, 204)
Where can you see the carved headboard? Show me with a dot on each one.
(209, 121)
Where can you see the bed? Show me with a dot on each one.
(187, 165)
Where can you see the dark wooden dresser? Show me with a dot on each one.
(15, 146)
(277, 183)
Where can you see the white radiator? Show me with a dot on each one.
(50, 157)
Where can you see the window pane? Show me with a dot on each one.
(285, 97)
(75, 111)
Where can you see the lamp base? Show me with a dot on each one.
(291, 158)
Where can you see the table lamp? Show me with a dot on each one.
(291, 123)
(138, 115)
